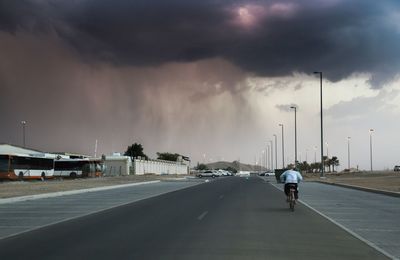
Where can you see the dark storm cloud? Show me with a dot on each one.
(268, 38)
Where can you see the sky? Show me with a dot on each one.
(209, 79)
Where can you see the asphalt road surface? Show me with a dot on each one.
(230, 218)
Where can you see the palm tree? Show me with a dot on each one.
(334, 162)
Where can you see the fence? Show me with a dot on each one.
(141, 167)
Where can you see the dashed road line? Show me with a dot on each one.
(202, 215)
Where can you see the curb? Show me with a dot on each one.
(70, 192)
(384, 192)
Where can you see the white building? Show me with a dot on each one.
(116, 165)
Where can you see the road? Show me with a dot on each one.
(230, 218)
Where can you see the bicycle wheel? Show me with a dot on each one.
(291, 200)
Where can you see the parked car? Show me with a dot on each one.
(266, 174)
(224, 173)
(208, 173)
(243, 174)
(396, 168)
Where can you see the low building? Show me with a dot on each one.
(116, 165)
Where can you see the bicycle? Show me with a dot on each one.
(292, 199)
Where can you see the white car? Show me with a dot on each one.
(208, 173)
(223, 173)
(243, 174)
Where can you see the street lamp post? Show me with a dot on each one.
(276, 151)
(265, 158)
(327, 150)
(307, 155)
(283, 148)
(315, 154)
(262, 158)
(271, 156)
(348, 152)
(370, 145)
(23, 132)
(322, 129)
(295, 134)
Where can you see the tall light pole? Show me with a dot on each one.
(262, 158)
(23, 132)
(272, 156)
(267, 157)
(348, 152)
(370, 145)
(276, 151)
(295, 134)
(283, 148)
(322, 128)
(327, 150)
(315, 154)
(307, 155)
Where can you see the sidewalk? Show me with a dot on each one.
(378, 191)
(367, 215)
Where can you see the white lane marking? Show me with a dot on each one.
(345, 228)
(202, 215)
(221, 197)
(378, 230)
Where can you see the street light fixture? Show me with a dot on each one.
(23, 132)
(370, 145)
(322, 130)
(283, 148)
(295, 134)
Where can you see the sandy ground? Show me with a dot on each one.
(22, 188)
(388, 181)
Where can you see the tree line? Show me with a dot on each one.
(329, 164)
(136, 151)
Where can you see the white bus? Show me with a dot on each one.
(78, 168)
(19, 167)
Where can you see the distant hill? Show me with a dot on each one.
(235, 165)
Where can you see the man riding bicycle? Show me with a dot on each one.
(291, 178)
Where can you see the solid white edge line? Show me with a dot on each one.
(70, 192)
(346, 229)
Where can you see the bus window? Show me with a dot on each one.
(4, 160)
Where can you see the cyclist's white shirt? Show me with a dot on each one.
(291, 176)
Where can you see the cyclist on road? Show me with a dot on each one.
(291, 177)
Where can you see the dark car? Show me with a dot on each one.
(396, 168)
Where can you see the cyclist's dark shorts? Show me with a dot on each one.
(287, 189)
